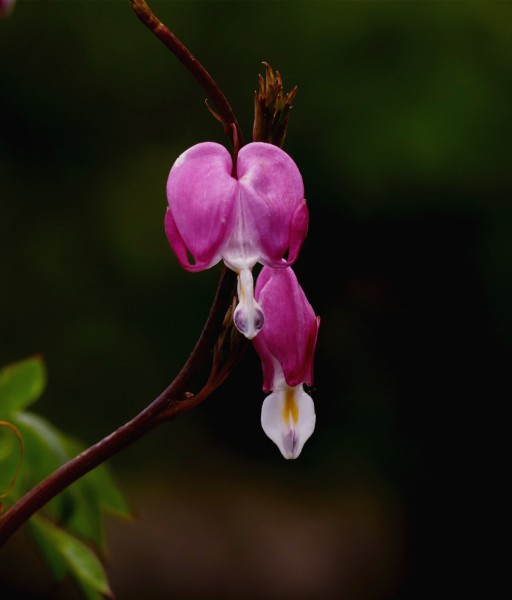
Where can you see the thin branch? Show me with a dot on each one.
(172, 402)
(190, 62)
(176, 399)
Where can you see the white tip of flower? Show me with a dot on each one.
(248, 316)
(288, 418)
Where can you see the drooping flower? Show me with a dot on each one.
(250, 212)
(286, 346)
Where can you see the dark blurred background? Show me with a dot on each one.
(401, 129)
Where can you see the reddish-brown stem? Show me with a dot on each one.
(190, 62)
(172, 402)
(176, 399)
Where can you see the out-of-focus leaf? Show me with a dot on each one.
(48, 547)
(101, 485)
(45, 451)
(75, 515)
(69, 555)
(107, 493)
(84, 516)
(21, 384)
(90, 496)
(79, 507)
(12, 449)
(9, 453)
(90, 594)
(45, 445)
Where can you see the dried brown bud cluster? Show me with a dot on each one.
(271, 109)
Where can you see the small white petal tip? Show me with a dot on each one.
(248, 316)
(288, 418)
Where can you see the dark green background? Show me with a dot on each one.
(401, 129)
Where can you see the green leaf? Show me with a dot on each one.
(92, 494)
(45, 445)
(11, 455)
(45, 451)
(67, 554)
(107, 493)
(101, 485)
(79, 507)
(21, 384)
(83, 518)
(76, 513)
(12, 450)
(90, 594)
(46, 543)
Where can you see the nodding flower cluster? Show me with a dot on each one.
(253, 211)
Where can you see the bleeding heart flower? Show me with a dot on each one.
(244, 214)
(286, 346)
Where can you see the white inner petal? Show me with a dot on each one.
(288, 418)
(240, 252)
(248, 316)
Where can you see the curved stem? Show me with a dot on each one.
(172, 402)
(190, 62)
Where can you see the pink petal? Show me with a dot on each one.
(271, 190)
(291, 327)
(267, 362)
(179, 248)
(202, 204)
(298, 230)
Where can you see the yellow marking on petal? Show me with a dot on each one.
(241, 291)
(290, 408)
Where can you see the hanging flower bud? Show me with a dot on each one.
(253, 211)
(286, 347)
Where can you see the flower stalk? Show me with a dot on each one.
(260, 216)
(224, 113)
(175, 400)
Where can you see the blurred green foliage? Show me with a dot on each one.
(74, 518)
(401, 128)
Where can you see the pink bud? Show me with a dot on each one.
(290, 331)
(286, 346)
